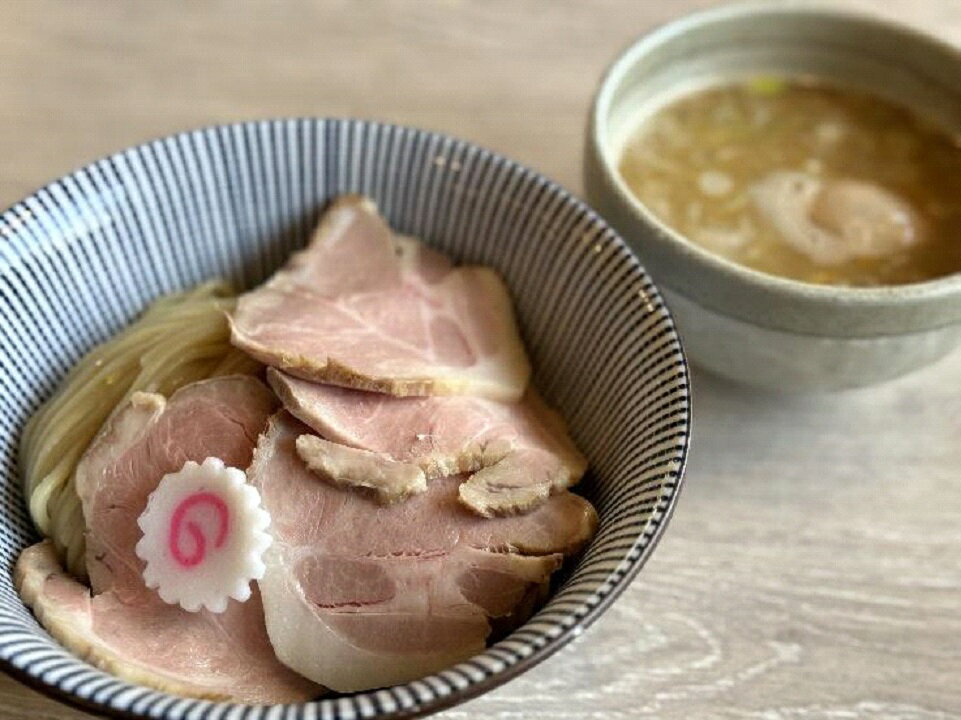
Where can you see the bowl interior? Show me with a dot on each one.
(83, 256)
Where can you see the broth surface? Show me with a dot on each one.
(804, 180)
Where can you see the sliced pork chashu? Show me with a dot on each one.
(359, 595)
(159, 645)
(389, 480)
(518, 452)
(123, 626)
(363, 308)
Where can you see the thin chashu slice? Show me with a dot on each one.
(389, 481)
(141, 645)
(125, 627)
(359, 595)
(363, 308)
(518, 453)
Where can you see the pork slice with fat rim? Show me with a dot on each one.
(123, 626)
(359, 595)
(223, 657)
(518, 452)
(363, 308)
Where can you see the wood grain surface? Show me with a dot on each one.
(812, 569)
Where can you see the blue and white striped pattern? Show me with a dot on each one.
(83, 256)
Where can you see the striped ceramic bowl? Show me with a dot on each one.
(84, 255)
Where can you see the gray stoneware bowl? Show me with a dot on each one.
(84, 255)
(737, 322)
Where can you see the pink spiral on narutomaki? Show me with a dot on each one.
(177, 526)
(204, 536)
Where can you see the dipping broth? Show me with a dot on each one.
(805, 180)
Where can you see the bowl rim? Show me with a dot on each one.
(581, 617)
(940, 288)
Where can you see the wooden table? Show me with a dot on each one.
(812, 569)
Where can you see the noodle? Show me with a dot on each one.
(180, 339)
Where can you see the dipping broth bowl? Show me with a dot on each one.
(82, 257)
(745, 325)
